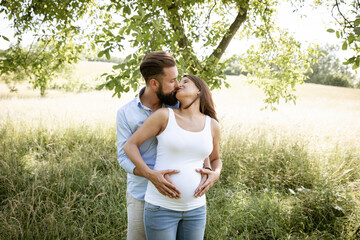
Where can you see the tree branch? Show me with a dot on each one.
(177, 25)
(183, 42)
(240, 18)
(345, 19)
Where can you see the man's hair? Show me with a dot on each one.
(153, 64)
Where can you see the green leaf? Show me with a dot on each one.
(5, 38)
(344, 46)
(127, 10)
(351, 38)
(330, 30)
(101, 86)
(101, 53)
(357, 30)
(117, 66)
(110, 85)
(357, 22)
(337, 34)
(357, 63)
(107, 55)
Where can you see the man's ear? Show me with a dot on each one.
(154, 84)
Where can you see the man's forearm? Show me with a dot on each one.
(141, 169)
(126, 164)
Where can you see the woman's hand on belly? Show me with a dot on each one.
(187, 181)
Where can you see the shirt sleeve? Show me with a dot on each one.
(123, 134)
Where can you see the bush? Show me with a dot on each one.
(75, 84)
(329, 71)
(338, 80)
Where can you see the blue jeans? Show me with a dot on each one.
(165, 224)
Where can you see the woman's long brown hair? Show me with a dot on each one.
(206, 101)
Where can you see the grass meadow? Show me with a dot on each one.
(289, 174)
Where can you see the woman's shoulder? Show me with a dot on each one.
(215, 126)
(214, 122)
(162, 114)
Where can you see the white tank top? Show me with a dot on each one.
(184, 151)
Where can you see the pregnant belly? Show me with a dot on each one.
(186, 181)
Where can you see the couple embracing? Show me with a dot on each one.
(168, 143)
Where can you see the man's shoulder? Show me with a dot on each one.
(129, 106)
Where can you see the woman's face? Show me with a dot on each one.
(187, 89)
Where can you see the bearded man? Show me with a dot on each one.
(160, 74)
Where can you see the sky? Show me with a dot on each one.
(308, 25)
(307, 29)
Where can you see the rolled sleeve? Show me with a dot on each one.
(123, 134)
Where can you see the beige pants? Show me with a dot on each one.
(135, 214)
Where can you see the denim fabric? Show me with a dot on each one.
(162, 223)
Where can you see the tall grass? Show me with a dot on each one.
(290, 174)
(276, 188)
(65, 183)
(60, 183)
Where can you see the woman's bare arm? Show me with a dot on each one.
(215, 162)
(152, 126)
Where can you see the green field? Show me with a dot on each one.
(289, 174)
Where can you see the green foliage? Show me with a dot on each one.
(329, 71)
(277, 65)
(197, 33)
(38, 64)
(358, 84)
(175, 26)
(159, 26)
(75, 84)
(103, 59)
(55, 34)
(348, 18)
(233, 66)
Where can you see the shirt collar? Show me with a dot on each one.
(139, 104)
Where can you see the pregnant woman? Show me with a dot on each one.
(186, 136)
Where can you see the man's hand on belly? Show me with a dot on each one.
(163, 183)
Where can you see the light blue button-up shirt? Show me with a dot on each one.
(129, 118)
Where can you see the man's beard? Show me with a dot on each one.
(169, 98)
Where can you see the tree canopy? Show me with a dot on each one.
(197, 33)
(347, 15)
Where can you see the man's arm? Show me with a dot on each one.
(123, 134)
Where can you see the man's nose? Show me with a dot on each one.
(177, 84)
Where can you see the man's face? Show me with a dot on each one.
(167, 89)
